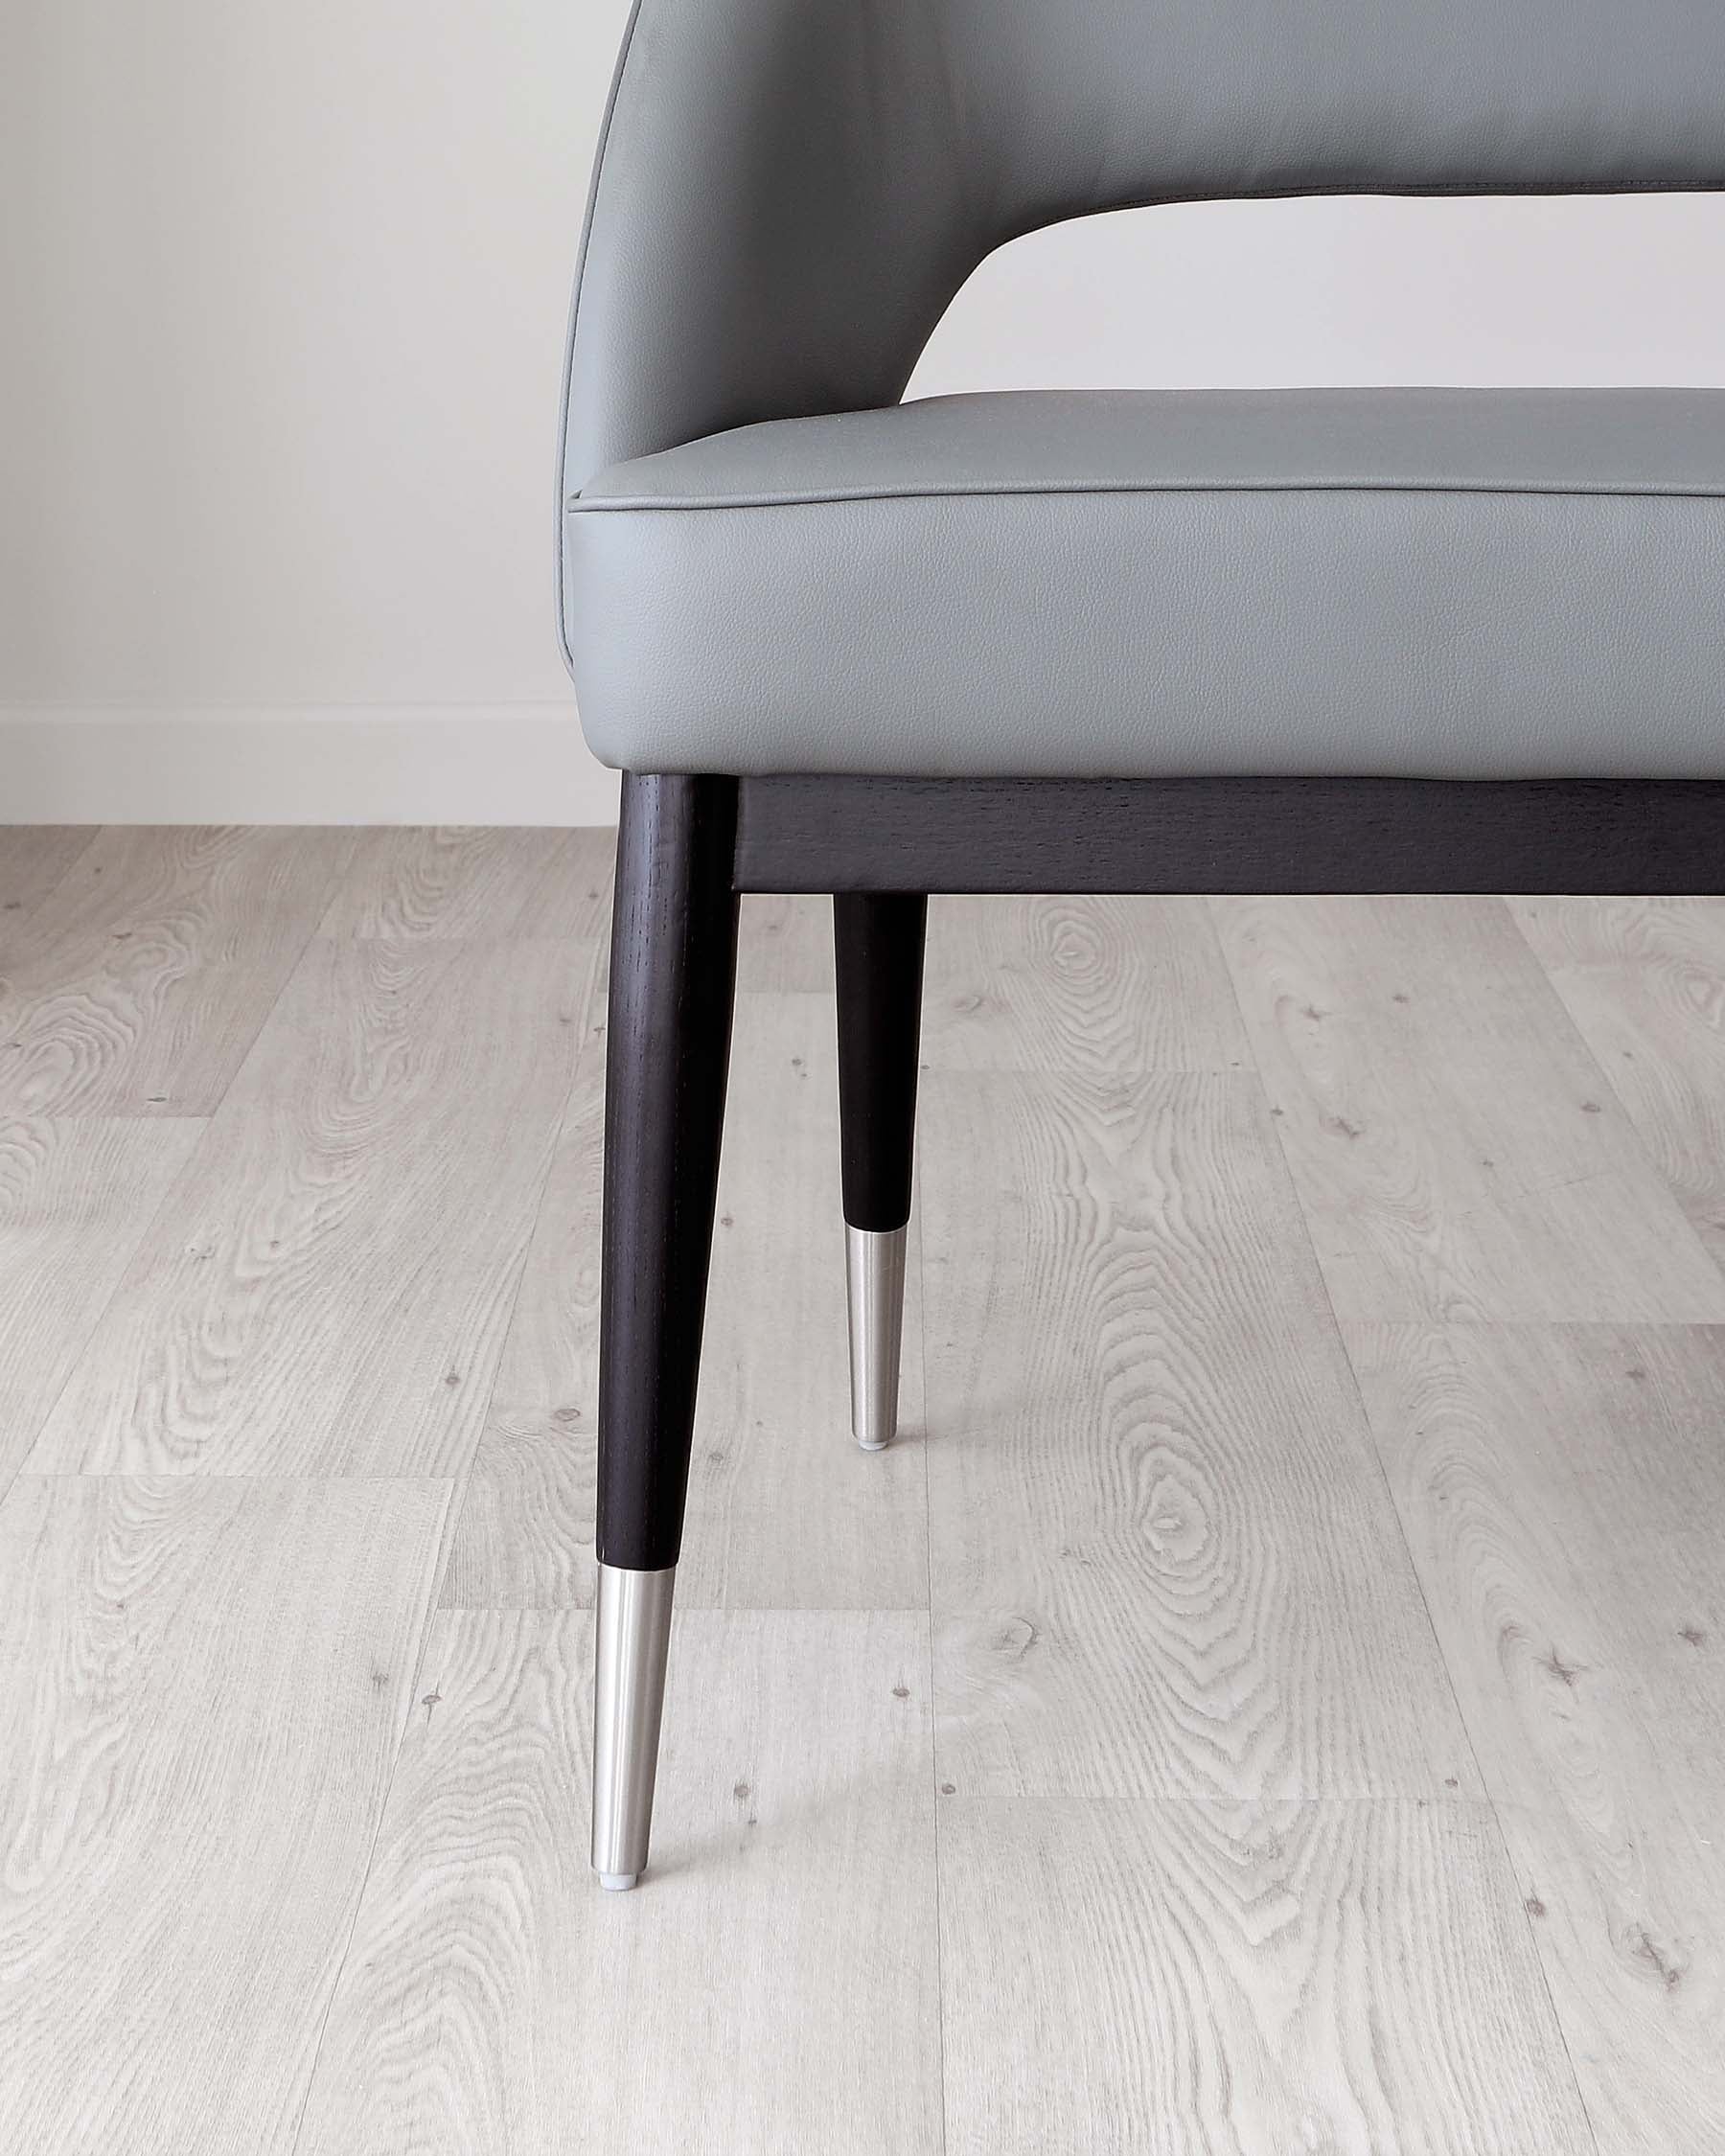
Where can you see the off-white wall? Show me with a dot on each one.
(285, 305)
(280, 371)
(1535, 290)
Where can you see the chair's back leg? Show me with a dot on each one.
(878, 942)
(674, 947)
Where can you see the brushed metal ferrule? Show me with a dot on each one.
(874, 1280)
(633, 1635)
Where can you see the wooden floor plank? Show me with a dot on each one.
(773, 1441)
(1191, 1848)
(524, 1526)
(138, 983)
(1643, 979)
(1563, 1489)
(1136, 1979)
(203, 1685)
(451, 882)
(76, 1195)
(770, 1986)
(1458, 1151)
(34, 858)
(327, 1287)
(1163, 1561)
(1106, 985)
(785, 943)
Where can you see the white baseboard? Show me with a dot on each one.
(509, 764)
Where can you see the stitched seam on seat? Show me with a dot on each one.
(682, 504)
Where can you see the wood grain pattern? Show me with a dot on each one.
(1643, 979)
(538, 884)
(77, 1196)
(773, 1441)
(668, 1022)
(34, 856)
(772, 1433)
(785, 944)
(772, 1987)
(1135, 1979)
(524, 1525)
(140, 980)
(529, 883)
(848, 833)
(327, 1287)
(1095, 984)
(1458, 1152)
(1199, 1853)
(203, 1685)
(1164, 1560)
(1564, 1493)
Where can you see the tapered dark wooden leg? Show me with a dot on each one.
(673, 948)
(878, 942)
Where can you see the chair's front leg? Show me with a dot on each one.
(877, 944)
(673, 948)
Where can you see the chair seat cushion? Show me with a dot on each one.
(1462, 583)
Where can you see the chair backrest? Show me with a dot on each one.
(791, 190)
(1084, 105)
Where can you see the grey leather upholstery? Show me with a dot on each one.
(788, 194)
(1422, 582)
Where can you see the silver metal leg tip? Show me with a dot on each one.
(633, 1629)
(874, 1273)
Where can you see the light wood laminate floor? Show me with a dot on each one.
(1271, 1701)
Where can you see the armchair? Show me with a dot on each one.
(1201, 641)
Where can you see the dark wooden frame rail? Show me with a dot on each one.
(1647, 838)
